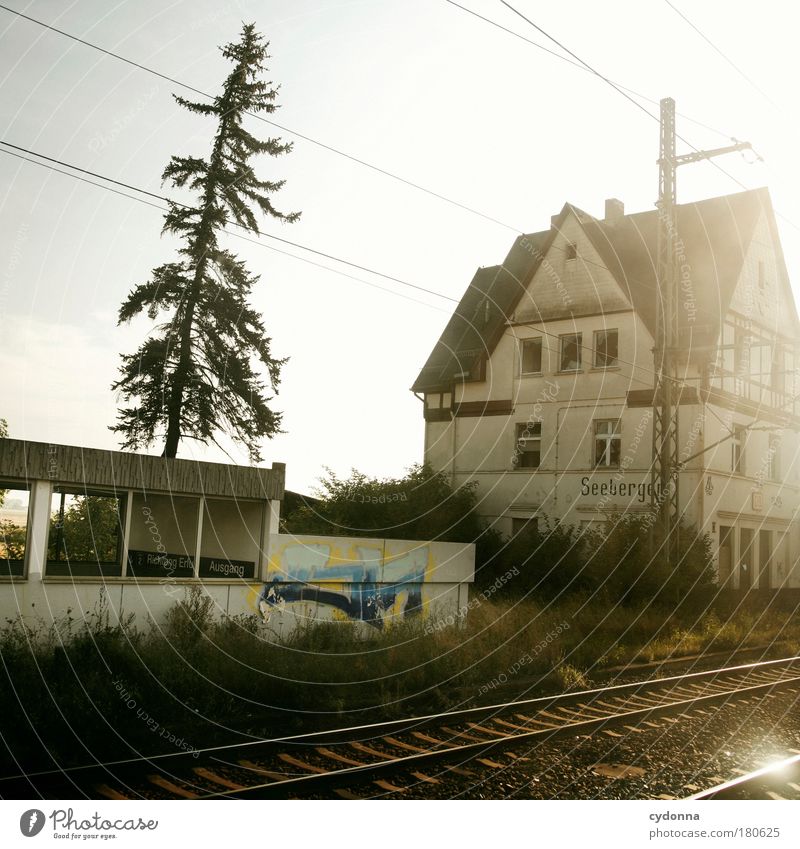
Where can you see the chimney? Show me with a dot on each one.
(615, 209)
(553, 219)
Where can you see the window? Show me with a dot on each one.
(607, 442)
(229, 547)
(605, 348)
(532, 356)
(528, 448)
(85, 534)
(571, 251)
(518, 525)
(163, 536)
(773, 457)
(737, 449)
(762, 280)
(13, 529)
(570, 352)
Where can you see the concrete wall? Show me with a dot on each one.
(372, 581)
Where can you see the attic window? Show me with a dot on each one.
(762, 282)
(571, 251)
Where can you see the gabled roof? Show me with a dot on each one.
(715, 236)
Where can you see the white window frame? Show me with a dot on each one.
(609, 436)
(521, 442)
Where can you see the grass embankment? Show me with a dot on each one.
(101, 691)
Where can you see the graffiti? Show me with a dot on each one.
(365, 585)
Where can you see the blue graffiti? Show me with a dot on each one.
(365, 598)
(365, 602)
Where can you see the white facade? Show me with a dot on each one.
(541, 387)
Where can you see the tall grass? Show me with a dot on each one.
(76, 691)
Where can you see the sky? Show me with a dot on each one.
(420, 88)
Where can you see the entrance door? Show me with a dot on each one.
(764, 559)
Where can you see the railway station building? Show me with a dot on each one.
(540, 387)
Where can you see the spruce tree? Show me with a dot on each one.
(194, 375)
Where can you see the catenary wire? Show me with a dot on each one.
(721, 53)
(587, 348)
(235, 235)
(259, 232)
(578, 65)
(283, 128)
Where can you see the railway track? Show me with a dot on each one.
(780, 780)
(416, 748)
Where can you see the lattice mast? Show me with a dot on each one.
(665, 466)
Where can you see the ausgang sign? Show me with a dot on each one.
(221, 567)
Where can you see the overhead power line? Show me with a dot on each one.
(576, 64)
(618, 89)
(717, 50)
(142, 200)
(298, 245)
(259, 232)
(282, 127)
(234, 235)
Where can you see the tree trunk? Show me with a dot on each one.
(175, 409)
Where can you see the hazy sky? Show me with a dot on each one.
(419, 88)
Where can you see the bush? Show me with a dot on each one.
(423, 505)
(612, 565)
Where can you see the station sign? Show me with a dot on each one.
(159, 564)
